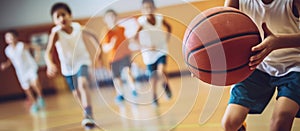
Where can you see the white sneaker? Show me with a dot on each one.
(88, 123)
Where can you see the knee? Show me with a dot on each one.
(75, 93)
(281, 120)
(230, 125)
(82, 82)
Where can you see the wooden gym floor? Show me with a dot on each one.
(181, 113)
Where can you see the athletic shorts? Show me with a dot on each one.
(256, 91)
(72, 80)
(26, 80)
(153, 67)
(118, 66)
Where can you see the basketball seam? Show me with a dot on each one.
(216, 41)
(218, 71)
(201, 21)
(221, 39)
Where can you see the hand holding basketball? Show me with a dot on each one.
(217, 45)
(264, 48)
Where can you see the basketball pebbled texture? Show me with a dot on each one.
(217, 45)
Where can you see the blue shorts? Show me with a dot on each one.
(256, 91)
(72, 80)
(153, 67)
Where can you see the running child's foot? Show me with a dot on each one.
(134, 93)
(168, 91)
(41, 102)
(155, 101)
(88, 123)
(34, 108)
(119, 98)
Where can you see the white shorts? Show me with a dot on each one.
(29, 77)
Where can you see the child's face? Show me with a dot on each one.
(147, 8)
(10, 38)
(110, 19)
(62, 17)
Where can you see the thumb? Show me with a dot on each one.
(266, 30)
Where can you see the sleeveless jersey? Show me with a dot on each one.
(152, 35)
(279, 18)
(71, 49)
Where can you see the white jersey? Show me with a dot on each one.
(71, 49)
(152, 36)
(279, 18)
(22, 60)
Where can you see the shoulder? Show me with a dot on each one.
(142, 19)
(76, 25)
(121, 28)
(159, 16)
(7, 49)
(21, 44)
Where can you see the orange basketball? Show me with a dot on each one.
(217, 45)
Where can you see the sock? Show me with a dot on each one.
(88, 112)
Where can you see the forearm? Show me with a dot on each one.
(287, 41)
(48, 58)
(6, 64)
(232, 3)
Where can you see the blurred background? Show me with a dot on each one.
(32, 20)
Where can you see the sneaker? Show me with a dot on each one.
(134, 93)
(243, 128)
(41, 102)
(155, 101)
(119, 98)
(34, 108)
(88, 123)
(168, 91)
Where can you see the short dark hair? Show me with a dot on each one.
(12, 31)
(149, 1)
(111, 11)
(60, 5)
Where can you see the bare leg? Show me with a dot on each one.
(153, 84)
(84, 92)
(234, 117)
(29, 95)
(77, 96)
(36, 86)
(118, 85)
(161, 73)
(164, 78)
(85, 96)
(283, 115)
(130, 79)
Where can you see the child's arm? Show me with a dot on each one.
(36, 49)
(271, 41)
(6, 64)
(108, 46)
(169, 29)
(232, 3)
(51, 67)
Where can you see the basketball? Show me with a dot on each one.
(217, 45)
